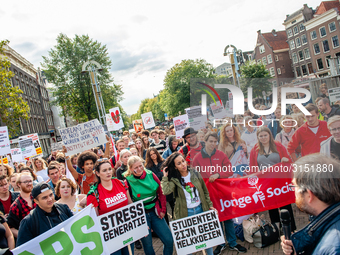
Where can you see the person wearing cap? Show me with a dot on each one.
(45, 216)
(132, 145)
(192, 146)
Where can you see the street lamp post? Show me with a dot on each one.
(91, 67)
(233, 62)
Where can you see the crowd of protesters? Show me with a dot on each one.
(158, 168)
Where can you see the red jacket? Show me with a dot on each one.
(207, 165)
(255, 151)
(310, 142)
(190, 153)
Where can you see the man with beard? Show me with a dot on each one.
(192, 146)
(23, 204)
(46, 215)
(316, 193)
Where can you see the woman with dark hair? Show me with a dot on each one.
(153, 162)
(146, 142)
(106, 189)
(145, 186)
(173, 146)
(140, 148)
(268, 152)
(188, 187)
(66, 189)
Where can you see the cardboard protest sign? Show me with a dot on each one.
(4, 160)
(16, 155)
(80, 234)
(36, 143)
(83, 137)
(138, 125)
(57, 146)
(197, 232)
(218, 110)
(27, 148)
(109, 123)
(180, 123)
(5, 147)
(123, 226)
(148, 120)
(117, 119)
(196, 119)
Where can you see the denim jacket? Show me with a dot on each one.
(322, 235)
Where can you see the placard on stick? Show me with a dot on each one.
(197, 232)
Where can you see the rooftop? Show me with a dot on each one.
(326, 6)
(276, 39)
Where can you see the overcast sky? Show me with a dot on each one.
(144, 38)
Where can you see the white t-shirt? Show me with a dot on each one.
(43, 174)
(314, 129)
(193, 200)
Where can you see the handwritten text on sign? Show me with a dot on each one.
(197, 232)
(83, 136)
(124, 226)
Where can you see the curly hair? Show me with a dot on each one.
(86, 155)
(9, 169)
(71, 183)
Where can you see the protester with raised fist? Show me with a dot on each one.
(145, 186)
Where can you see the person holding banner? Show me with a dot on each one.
(108, 194)
(145, 186)
(40, 168)
(187, 185)
(268, 152)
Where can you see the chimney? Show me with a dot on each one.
(259, 31)
(274, 32)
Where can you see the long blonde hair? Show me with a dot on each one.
(272, 145)
(132, 160)
(224, 139)
(43, 162)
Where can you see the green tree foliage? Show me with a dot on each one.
(256, 76)
(73, 90)
(12, 106)
(177, 84)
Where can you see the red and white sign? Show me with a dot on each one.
(117, 119)
(180, 123)
(138, 125)
(36, 143)
(148, 120)
(5, 147)
(234, 197)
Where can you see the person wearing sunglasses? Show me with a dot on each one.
(331, 146)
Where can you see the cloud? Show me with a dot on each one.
(139, 19)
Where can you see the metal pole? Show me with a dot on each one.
(100, 99)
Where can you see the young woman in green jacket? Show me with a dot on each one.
(190, 191)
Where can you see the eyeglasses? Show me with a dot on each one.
(334, 129)
(190, 136)
(292, 187)
(27, 182)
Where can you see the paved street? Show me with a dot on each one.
(301, 220)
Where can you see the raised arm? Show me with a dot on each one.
(69, 165)
(107, 148)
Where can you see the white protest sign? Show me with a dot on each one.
(117, 118)
(124, 226)
(83, 137)
(229, 112)
(109, 123)
(5, 147)
(16, 155)
(334, 94)
(80, 234)
(57, 146)
(148, 120)
(197, 232)
(27, 148)
(196, 119)
(36, 143)
(180, 123)
(218, 110)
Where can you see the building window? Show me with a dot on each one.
(327, 59)
(264, 60)
(304, 39)
(295, 59)
(262, 50)
(313, 35)
(316, 49)
(302, 27)
(310, 68)
(292, 44)
(325, 46)
(323, 32)
(300, 53)
(274, 83)
(289, 33)
(335, 41)
(276, 58)
(319, 63)
(278, 71)
(332, 27)
(298, 71)
(298, 42)
(307, 55)
(270, 60)
(272, 71)
(259, 61)
(296, 30)
(304, 70)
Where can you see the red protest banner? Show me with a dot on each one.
(262, 191)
